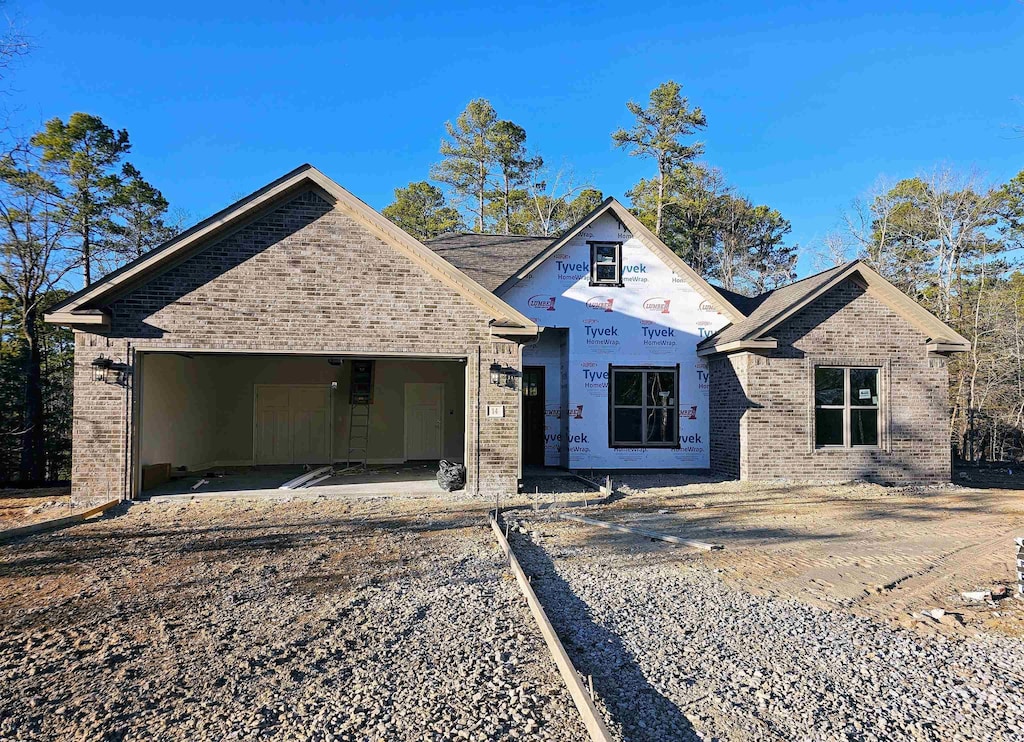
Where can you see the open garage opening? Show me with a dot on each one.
(215, 423)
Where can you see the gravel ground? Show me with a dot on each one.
(675, 652)
(304, 620)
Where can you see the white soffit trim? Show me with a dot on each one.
(738, 345)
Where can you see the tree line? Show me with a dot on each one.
(952, 242)
(73, 207)
(489, 180)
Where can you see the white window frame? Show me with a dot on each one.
(616, 261)
(847, 407)
(643, 406)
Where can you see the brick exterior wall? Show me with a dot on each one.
(305, 277)
(770, 427)
(727, 402)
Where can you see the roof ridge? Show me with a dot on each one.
(842, 267)
(492, 234)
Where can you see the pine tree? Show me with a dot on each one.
(85, 157)
(657, 133)
(420, 209)
(468, 157)
(141, 212)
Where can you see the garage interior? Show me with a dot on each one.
(253, 422)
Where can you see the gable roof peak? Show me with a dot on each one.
(80, 307)
(648, 238)
(776, 306)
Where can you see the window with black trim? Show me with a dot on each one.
(643, 407)
(605, 263)
(846, 407)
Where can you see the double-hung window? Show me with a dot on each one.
(846, 407)
(605, 263)
(644, 407)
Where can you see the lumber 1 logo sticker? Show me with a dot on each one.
(657, 304)
(542, 302)
(706, 306)
(688, 413)
(600, 303)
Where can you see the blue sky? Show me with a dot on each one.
(808, 104)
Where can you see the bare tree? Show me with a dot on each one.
(553, 194)
(33, 262)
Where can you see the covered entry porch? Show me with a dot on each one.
(246, 422)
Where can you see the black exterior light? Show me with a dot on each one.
(503, 375)
(101, 368)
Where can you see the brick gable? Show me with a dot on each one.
(305, 277)
(763, 426)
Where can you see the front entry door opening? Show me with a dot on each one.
(533, 415)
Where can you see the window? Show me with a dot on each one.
(644, 407)
(846, 407)
(605, 263)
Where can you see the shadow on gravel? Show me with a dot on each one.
(643, 713)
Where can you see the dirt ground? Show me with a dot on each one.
(21, 507)
(314, 620)
(883, 552)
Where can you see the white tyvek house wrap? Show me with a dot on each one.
(655, 319)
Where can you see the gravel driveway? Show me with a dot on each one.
(674, 651)
(304, 620)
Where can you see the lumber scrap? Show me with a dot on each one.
(642, 532)
(56, 523)
(584, 701)
(303, 479)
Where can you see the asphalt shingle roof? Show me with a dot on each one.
(489, 259)
(764, 307)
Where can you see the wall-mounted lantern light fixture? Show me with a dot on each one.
(503, 376)
(101, 368)
(108, 370)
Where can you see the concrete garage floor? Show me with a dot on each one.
(264, 482)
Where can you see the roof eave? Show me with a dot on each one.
(946, 346)
(91, 319)
(738, 346)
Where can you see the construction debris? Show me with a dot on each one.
(977, 596)
(306, 479)
(451, 476)
(1020, 567)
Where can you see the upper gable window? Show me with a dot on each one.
(605, 263)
